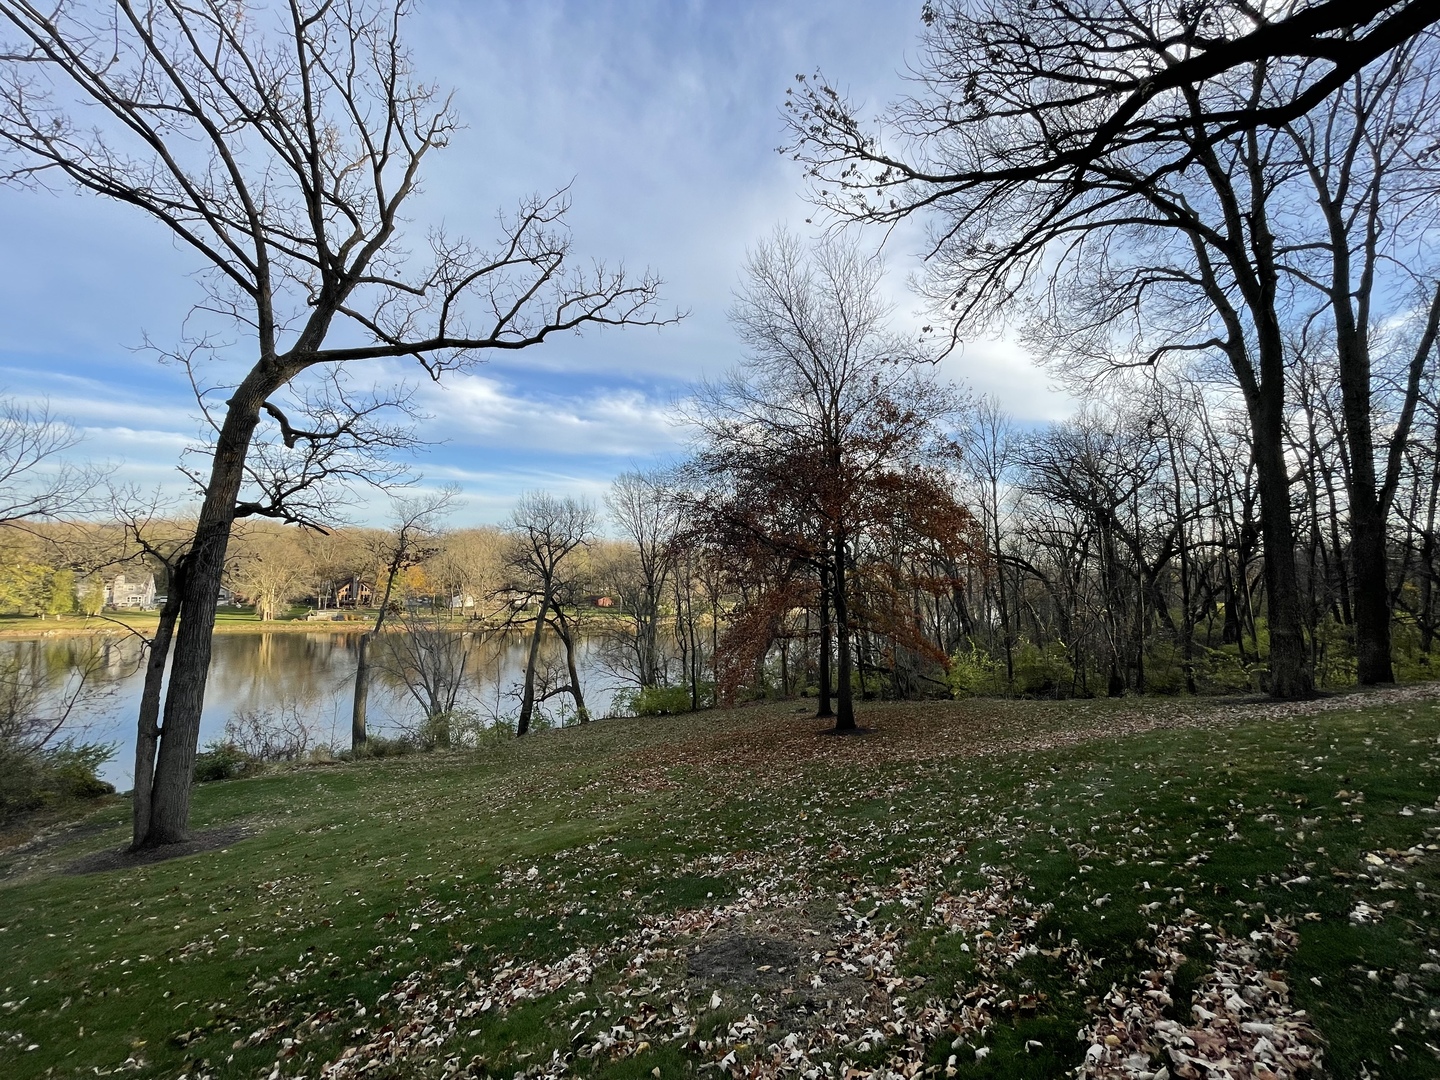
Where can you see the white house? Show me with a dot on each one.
(136, 591)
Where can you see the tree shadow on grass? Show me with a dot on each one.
(123, 858)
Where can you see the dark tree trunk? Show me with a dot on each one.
(358, 733)
(844, 695)
(527, 699)
(180, 730)
(562, 628)
(1290, 674)
(147, 736)
(824, 709)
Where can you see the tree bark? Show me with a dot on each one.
(180, 730)
(824, 709)
(1290, 674)
(147, 736)
(527, 700)
(358, 733)
(844, 693)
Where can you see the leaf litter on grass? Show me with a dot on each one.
(847, 1008)
(845, 854)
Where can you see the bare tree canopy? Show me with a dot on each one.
(35, 479)
(1112, 88)
(282, 144)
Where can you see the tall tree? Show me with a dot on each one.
(647, 515)
(280, 145)
(827, 400)
(1159, 231)
(546, 532)
(1363, 218)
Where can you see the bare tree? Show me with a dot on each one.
(1095, 93)
(412, 538)
(647, 514)
(280, 145)
(546, 532)
(1367, 255)
(35, 479)
(270, 568)
(1159, 244)
(429, 659)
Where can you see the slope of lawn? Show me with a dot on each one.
(972, 889)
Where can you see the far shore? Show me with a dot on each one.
(123, 623)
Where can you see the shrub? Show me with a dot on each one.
(977, 674)
(1043, 672)
(378, 746)
(653, 701)
(266, 735)
(32, 779)
(223, 761)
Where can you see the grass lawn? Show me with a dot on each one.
(972, 889)
(227, 620)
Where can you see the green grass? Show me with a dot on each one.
(416, 873)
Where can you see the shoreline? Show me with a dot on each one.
(35, 628)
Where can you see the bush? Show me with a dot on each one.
(1043, 672)
(653, 701)
(378, 746)
(223, 761)
(976, 674)
(1220, 671)
(266, 735)
(31, 780)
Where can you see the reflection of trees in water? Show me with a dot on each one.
(311, 671)
(51, 691)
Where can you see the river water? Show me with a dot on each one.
(309, 676)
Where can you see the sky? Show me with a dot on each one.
(663, 117)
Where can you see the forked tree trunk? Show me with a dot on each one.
(147, 734)
(180, 729)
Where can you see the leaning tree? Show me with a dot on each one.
(281, 144)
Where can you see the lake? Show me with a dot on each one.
(309, 675)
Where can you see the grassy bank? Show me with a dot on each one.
(144, 622)
(961, 892)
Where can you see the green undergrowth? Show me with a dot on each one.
(354, 877)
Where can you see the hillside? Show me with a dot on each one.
(971, 889)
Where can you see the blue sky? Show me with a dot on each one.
(664, 116)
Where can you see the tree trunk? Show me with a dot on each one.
(147, 735)
(1290, 674)
(358, 709)
(180, 730)
(527, 700)
(582, 714)
(844, 695)
(824, 709)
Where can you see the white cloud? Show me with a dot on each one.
(475, 410)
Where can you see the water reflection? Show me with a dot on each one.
(312, 672)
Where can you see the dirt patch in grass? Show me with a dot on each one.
(744, 960)
(124, 859)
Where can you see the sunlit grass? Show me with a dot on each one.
(357, 877)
